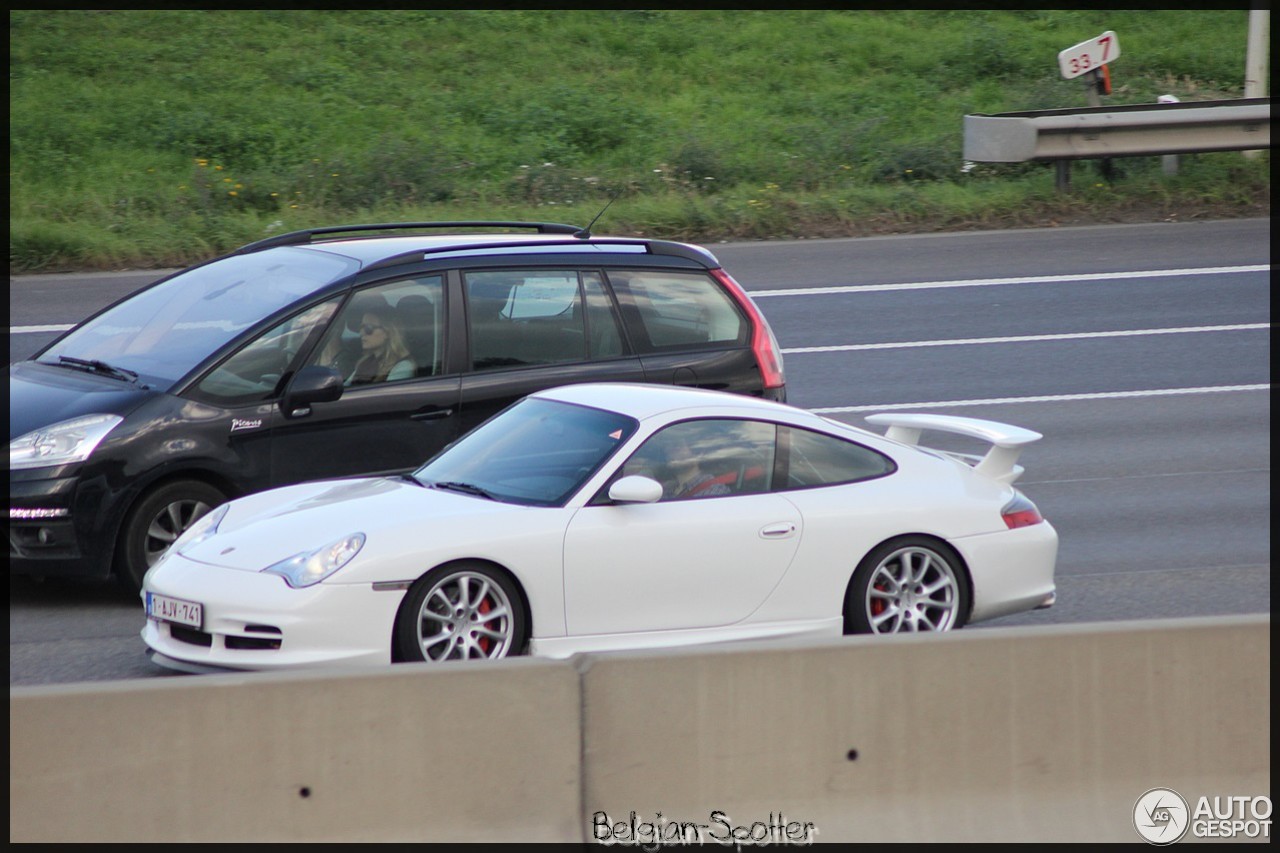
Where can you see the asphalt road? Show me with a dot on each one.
(1141, 352)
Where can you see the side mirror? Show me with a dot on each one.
(635, 490)
(312, 384)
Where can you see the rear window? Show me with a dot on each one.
(679, 310)
(816, 459)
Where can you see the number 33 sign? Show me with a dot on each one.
(1089, 55)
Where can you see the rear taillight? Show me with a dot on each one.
(1020, 512)
(763, 343)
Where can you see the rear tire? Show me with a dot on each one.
(158, 519)
(461, 611)
(905, 585)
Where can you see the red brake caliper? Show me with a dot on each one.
(877, 604)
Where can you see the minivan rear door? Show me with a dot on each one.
(686, 329)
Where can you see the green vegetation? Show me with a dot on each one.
(155, 138)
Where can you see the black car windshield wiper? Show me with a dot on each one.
(465, 488)
(95, 366)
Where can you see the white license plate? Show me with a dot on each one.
(175, 610)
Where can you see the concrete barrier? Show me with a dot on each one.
(985, 735)
(487, 751)
(1026, 734)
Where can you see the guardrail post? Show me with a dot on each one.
(1169, 162)
(1257, 52)
(1093, 87)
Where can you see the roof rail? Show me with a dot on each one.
(651, 247)
(298, 238)
(477, 248)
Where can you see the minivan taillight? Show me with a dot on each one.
(763, 343)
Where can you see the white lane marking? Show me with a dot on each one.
(988, 282)
(1247, 567)
(1024, 338)
(1054, 398)
(1160, 476)
(18, 330)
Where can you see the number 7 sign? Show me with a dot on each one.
(1089, 55)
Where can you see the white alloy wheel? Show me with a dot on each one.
(908, 585)
(460, 612)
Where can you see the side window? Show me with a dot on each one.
(814, 459)
(674, 310)
(388, 333)
(603, 334)
(521, 318)
(254, 371)
(707, 458)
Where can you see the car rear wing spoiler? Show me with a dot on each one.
(1007, 442)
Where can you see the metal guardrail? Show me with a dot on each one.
(1119, 131)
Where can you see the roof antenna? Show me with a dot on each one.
(585, 233)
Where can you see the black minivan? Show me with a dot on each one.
(336, 352)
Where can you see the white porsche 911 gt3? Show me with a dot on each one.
(612, 516)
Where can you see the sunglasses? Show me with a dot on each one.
(369, 328)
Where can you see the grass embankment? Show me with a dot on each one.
(156, 138)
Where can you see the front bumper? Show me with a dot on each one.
(254, 621)
(51, 531)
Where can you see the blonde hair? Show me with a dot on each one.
(395, 350)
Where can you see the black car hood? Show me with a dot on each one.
(41, 395)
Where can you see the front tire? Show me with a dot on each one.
(905, 585)
(461, 611)
(156, 521)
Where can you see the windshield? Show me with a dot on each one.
(162, 333)
(536, 452)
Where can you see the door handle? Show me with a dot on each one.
(780, 530)
(433, 415)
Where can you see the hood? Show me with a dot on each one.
(263, 529)
(41, 395)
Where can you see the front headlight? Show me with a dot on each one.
(311, 567)
(61, 444)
